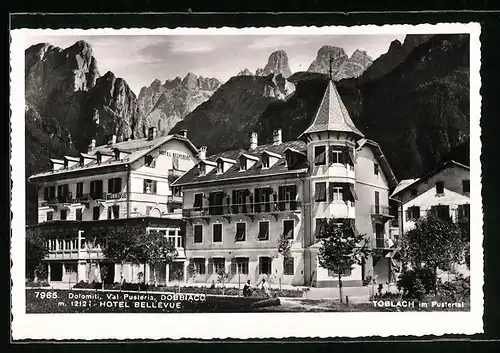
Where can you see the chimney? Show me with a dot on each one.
(277, 137)
(253, 141)
(112, 140)
(151, 133)
(91, 145)
(202, 154)
(184, 133)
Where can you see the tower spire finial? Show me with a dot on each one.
(330, 69)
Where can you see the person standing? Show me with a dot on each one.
(247, 289)
(265, 288)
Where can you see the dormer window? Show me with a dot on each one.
(117, 154)
(220, 167)
(203, 169)
(265, 161)
(243, 164)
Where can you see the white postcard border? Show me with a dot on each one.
(237, 325)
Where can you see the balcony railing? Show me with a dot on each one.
(380, 210)
(84, 198)
(385, 243)
(255, 208)
(174, 199)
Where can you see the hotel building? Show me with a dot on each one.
(238, 203)
(125, 183)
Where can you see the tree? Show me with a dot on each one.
(222, 276)
(341, 248)
(36, 249)
(434, 243)
(284, 249)
(121, 245)
(154, 248)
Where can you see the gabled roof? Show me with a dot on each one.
(228, 160)
(402, 185)
(272, 154)
(248, 156)
(193, 178)
(134, 149)
(332, 115)
(86, 155)
(71, 158)
(295, 151)
(384, 164)
(428, 175)
(206, 161)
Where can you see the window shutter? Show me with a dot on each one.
(330, 155)
(344, 156)
(351, 156)
(109, 212)
(153, 187)
(417, 211)
(210, 266)
(110, 185)
(407, 215)
(45, 193)
(118, 184)
(346, 192)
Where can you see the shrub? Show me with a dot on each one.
(33, 284)
(416, 283)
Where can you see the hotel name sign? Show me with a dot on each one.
(175, 155)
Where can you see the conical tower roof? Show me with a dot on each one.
(332, 115)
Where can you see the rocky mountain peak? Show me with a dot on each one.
(343, 66)
(245, 72)
(276, 64)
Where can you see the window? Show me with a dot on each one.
(199, 266)
(265, 265)
(319, 155)
(64, 214)
(203, 169)
(320, 192)
(219, 265)
(265, 161)
(336, 155)
(198, 200)
(242, 265)
(320, 222)
(198, 233)
(96, 213)
(110, 212)
(62, 192)
(220, 167)
(79, 189)
(466, 185)
(115, 185)
(150, 161)
(288, 227)
(463, 213)
(440, 188)
(79, 214)
(217, 233)
(149, 186)
(288, 266)
(441, 211)
(375, 168)
(412, 213)
(336, 192)
(241, 229)
(96, 189)
(116, 211)
(50, 215)
(263, 230)
(49, 193)
(414, 192)
(243, 164)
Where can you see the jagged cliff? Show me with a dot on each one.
(164, 105)
(342, 65)
(276, 64)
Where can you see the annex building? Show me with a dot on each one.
(125, 183)
(237, 204)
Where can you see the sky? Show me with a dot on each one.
(141, 59)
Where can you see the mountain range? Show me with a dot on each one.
(413, 100)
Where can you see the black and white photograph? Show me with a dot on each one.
(251, 173)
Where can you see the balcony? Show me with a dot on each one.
(380, 213)
(244, 209)
(173, 174)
